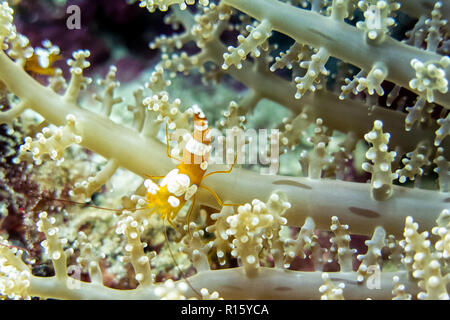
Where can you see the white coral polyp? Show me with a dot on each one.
(163, 5)
(7, 30)
(13, 282)
(430, 77)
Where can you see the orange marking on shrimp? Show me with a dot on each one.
(10, 246)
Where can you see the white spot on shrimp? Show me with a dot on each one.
(177, 183)
(197, 148)
(174, 202)
(196, 109)
(201, 128)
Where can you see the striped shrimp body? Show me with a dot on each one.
(182, 183)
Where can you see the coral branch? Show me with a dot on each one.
(234, 284)
(258, 35)
(93, 184)
(341, 40)
(381, 171)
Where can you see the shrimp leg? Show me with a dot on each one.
(220, 202)
(222, 171)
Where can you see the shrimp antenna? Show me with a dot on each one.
(188, 217)
(176, 264)
(89, 205)
(10, 246)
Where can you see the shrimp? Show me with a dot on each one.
(182, 183)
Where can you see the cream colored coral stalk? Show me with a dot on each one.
(342, 40)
